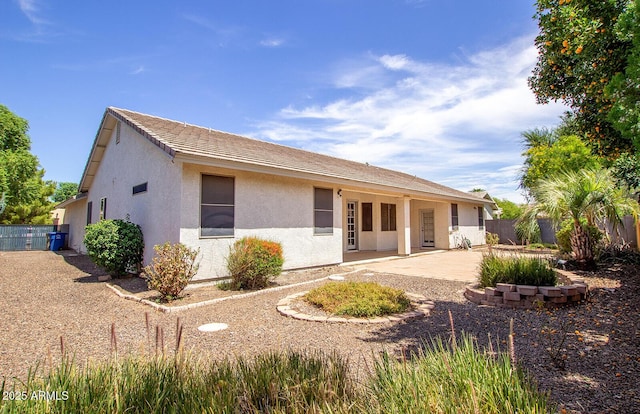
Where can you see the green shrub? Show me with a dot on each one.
(172, 269)
(253, 262)
(541, 246)
(528, 231)
(358, 299)
(563, 235)
(519, 270)
(463, 378)
(115, 245)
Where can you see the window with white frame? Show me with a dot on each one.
(89, 208)
(322, 211)
(481, 217)
(217, 206)
(454, 216)
(387, 217)
(367, 216)
(103, 208)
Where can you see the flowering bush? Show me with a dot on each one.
(172, 269)
(253, 262)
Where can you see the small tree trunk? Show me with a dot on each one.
(582, 248)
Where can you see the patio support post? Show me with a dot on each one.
(403, 206)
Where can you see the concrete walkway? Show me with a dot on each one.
(459, 265)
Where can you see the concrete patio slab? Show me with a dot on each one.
(458, 265)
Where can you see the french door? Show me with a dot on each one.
(352, 225)
(427, 229)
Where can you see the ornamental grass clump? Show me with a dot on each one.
(171, 270)
(278, 382)
(253, 263)
(520, 270)
(458, 377)
(358, 299)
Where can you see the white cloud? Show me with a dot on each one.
(272, 42)
(31, 9)
(455, 124)
(394, 62)
(42, 29)
(140, 69)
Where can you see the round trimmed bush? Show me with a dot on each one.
(253, 263)
(115, 245)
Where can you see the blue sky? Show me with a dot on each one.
(432, 88)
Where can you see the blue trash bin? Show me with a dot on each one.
(56, 240)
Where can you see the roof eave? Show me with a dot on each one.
(71, 200)
(356, 185)
(107, 125)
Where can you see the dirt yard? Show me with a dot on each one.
(51, 301)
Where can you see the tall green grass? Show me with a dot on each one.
(521, 270)
(460, 379)
(279, 382)
(440, 379)
(446, 377)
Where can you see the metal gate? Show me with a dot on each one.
(24, 237)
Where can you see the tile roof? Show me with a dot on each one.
(177, 138)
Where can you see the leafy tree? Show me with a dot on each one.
(626, 170)
(624, 88)
(37, 210)
(547, 154)
(580, 52)
(64, 191)
(24, 192)
(510, 210)
(13, 131)
(589, 194)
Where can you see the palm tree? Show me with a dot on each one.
(589, 194)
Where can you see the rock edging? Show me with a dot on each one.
(507, 295)
(422, 307)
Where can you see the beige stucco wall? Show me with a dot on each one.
(268, 206)
(76, 217)
(467, 225)
(134, 161)
(376, 239)
(388, 240)
(440, 218)
(57, 215)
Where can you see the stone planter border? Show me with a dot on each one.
(422, 307)
(506, 295)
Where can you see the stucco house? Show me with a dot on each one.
(491, 208)
(207, 188)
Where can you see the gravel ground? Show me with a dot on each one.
(587, 357)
